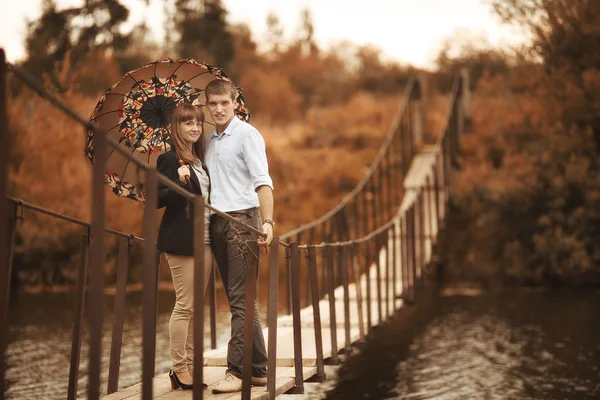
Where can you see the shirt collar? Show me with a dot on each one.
(229, 130)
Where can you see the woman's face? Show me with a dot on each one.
(190, 130)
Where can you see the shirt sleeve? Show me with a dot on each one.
(255, 155)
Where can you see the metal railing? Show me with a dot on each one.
(384, 222)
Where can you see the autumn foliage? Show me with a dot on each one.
(525, 201)
(526, 205)
(323, 118)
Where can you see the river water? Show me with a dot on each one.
(513, 345)
(40, 332)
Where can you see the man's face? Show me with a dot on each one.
(220, 107)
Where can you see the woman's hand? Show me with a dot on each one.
(184, 174)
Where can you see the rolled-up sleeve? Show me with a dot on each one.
(255, 155)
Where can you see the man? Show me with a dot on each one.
(240, 184)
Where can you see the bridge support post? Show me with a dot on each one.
(359, 297)
(272, 317)
(465, 99)
(5, 260)
(329, 254)
(250, 299)
(96, 273)
(418, 120)
(314, 290)
(119, 316)
(82, 277)
(298, 372)
(212, 298)
(199, 287)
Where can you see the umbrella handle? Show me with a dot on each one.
(187, 178)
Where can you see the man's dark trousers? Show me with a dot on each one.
(226, 242)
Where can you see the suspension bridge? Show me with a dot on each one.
(345, 273)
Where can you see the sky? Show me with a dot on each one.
(406, 31)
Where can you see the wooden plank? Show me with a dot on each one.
(160, 385)
(420, 168)
(212, 376)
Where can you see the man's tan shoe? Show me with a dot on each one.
(230, 384)
(259, 381)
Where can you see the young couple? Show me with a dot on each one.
(239, 184)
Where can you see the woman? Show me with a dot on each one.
(184, 164)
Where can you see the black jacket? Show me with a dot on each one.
(176, 232)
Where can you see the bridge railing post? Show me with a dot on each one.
(298, 371)
(404, 257)
(5, 259)
(355, 249)
(7, 246)
(422, 236)
(330, 255)
(119, 315)
(82, 276)
(97, 257)
(368, 261)
(411, 265)
(212, 298)
(388, 265)
(149, 283)
(418, 109)
(199, 285)
(272, 317)
(343, 252)
(394, 266)
(311, 256)
(378, 277)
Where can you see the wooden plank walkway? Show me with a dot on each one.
(215, 360)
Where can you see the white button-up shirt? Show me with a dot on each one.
(237, 164)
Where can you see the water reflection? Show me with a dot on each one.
(38, 354)
(508, 346)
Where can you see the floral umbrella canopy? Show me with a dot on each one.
(136, 112)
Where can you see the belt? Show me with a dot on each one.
(247, 212)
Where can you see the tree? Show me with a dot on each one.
(274, 34)
(478, 56)
(373, 75)
(566, 38)
(307, 33)
(61, 39)
(204, 32)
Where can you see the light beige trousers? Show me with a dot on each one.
(181, 324)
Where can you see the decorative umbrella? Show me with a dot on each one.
(136, 112)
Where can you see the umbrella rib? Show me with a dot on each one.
(153, 120)
(189, 80)
(106, 113)
(113, 150)
(186, 96)
(161, 101)
(162, 137)
(176, 69)
(125, 169)
(120, 94)
(138, 84)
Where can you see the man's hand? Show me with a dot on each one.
(268, 230)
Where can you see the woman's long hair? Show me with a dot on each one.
(183, 113)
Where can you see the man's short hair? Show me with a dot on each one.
(220, 87)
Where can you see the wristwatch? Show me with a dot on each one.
(269, 221)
